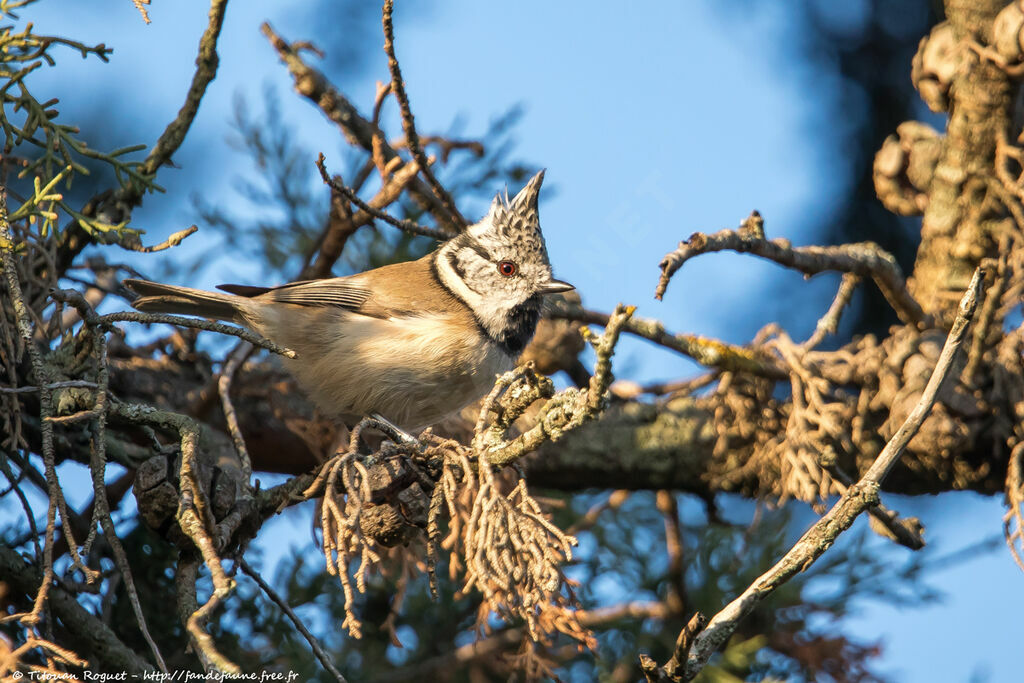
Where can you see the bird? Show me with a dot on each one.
(412, 342)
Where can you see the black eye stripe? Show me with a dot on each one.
(480, 250)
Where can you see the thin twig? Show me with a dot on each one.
(318, 649)
(989, 310)
(200, 324)
(74, 238)
(859, 497)
(56, 496)
(234, 361)
(172, 241)
(359, 131)
(77, 383)
(408, 122)
(866, 259)
(829, 323)
(195, 519)
(674, 667)
(98, 461)
(405, 224)
(108, 649)
(206, 70)
(676, 598)
(505, 639)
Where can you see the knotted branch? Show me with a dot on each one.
(865, 259)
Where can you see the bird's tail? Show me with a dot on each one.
(159, 298)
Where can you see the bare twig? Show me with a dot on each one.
(1013, 520)
(865, 259)
(196, 520)
(234, 361)
(829, 323)
(206, 69)
(359, 131)
(859, 497)
(707, 352)
(98, 462)
(672, 671)
(989, 314)
(42, 375)
(613, 502)
(408, 122)
(509, 638)
(75, 238)
(676, 599)
(317, 648)
(199, 324)
(327, 250)
(174, 240)
(141, 6)
(107, 647)
(411, 227)
(79, 383)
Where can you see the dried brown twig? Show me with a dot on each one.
(859, 497)
(865, 259)
(411, 227)
(342, 223)
(408, 121)
(1013, 520)
(346, 489)
(313, 85)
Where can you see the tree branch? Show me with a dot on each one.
(408, 122)
(708, 352)
(859, 497)
(866, 259)
(313, 85)
(74, 238)
(110, 652)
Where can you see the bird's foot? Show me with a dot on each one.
(393, 431)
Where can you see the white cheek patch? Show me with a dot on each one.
(455, 284)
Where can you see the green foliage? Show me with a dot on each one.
(46, 152)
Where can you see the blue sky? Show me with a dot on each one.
(653, 121)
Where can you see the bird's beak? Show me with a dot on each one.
(554, 287)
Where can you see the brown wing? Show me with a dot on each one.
(398, 289)
(339, 291)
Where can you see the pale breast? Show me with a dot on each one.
(413, 370)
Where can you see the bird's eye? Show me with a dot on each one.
(508, 268)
